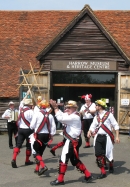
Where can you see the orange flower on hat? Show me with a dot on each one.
(44, 104)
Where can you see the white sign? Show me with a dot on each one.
(107, 100)
(58, 100)
(125, 102)
(88, 65)
(71, 65)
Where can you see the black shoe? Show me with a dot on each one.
(49, 146)
(101, 176)
(106, 167)
(42, 170)
(87, 146)
(29, 163)
(56, 182)
(53, 152)
(11, 147)
(13, 163)
(88, 179)
(111, 170)
(36, 172)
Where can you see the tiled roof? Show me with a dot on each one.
(117, 24)
(23, 34)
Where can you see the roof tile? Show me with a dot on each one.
(23, 34)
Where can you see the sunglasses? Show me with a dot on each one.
(68, 107)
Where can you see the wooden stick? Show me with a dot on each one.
(35, 78)
(26, 81)
(23, 81)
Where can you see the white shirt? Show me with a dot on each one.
(8, 113)
(72, 122)
(28, 116)
(87, 115)
(37, 120)
(109, 123)
(36, 109)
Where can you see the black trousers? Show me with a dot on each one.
(12, 130)
(71, 155)
(43, 138)
(23, 134)
(100, 145)
(86, 126)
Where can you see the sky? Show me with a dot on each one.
(64, 4)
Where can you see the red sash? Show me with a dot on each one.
(45, 120)
(87, 109)
(73, 140)
(104, 127)
(21, 115)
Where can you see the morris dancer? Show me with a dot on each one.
(37, 109)
(72, 142)
(103, 139)
(44, 127)
(87, 111)
(24, 119)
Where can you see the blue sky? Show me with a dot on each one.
(64, 4)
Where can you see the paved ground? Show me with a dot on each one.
(24, 176)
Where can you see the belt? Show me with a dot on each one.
(101, 134)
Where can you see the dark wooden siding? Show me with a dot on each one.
(84, 41)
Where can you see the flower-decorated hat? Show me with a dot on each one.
(86, 97)
(71, 103)
(44, 104)
(39, 99)
(101, 102)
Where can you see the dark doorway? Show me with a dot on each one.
(75, 93)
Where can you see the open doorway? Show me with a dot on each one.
(75, 93)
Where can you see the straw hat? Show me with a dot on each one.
(28, 102)
(71, 103)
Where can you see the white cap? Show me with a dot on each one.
(11, 103)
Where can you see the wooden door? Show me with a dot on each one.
(124, 101)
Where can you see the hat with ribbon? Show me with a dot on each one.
(28, 102)
(101, 102)
(44, 104)
(86, 97)
(71, 103)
